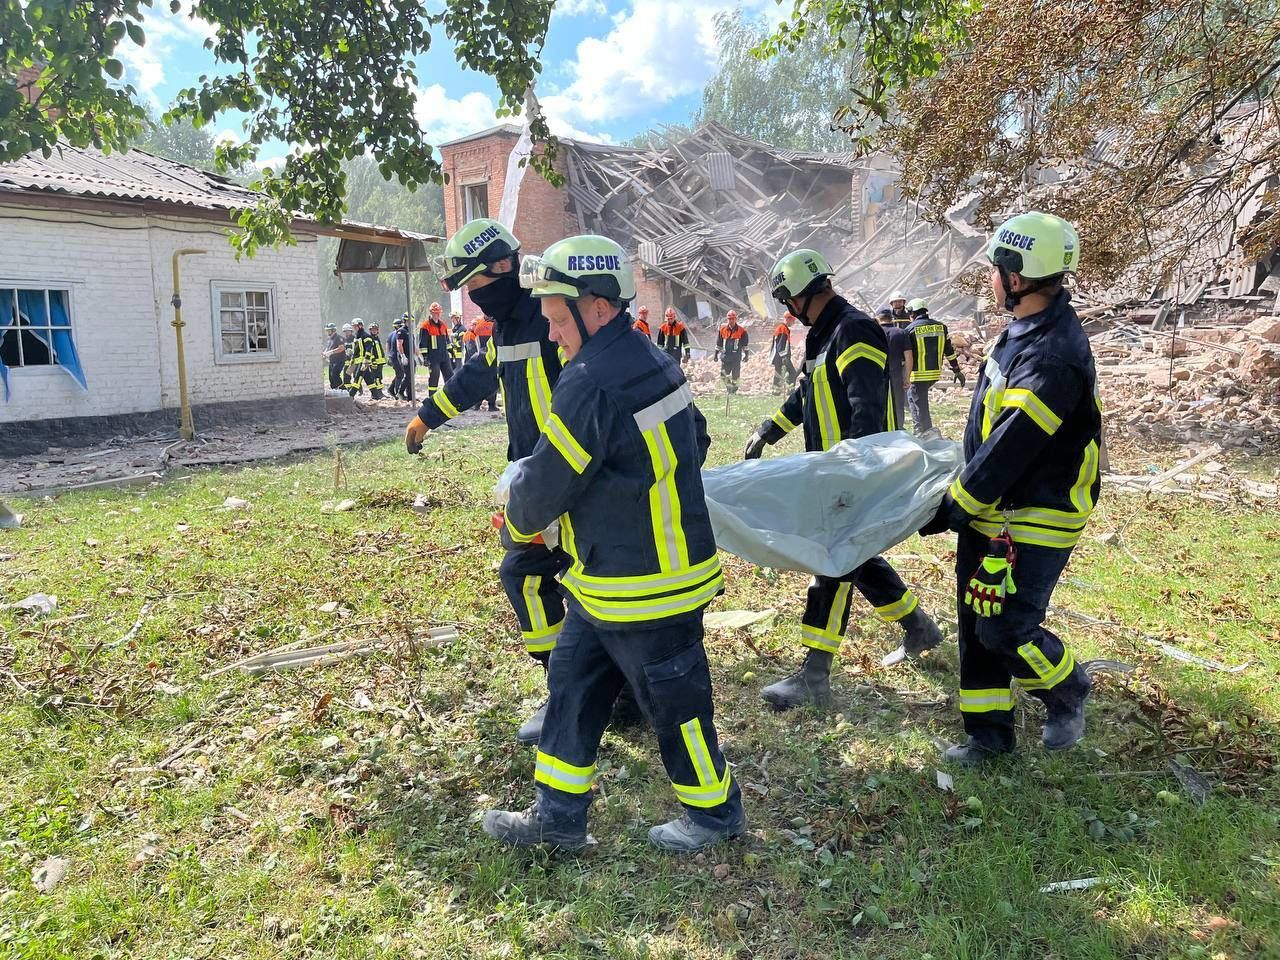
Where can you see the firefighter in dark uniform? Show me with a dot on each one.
(349, 381)
(731, 349)
(367, 360)
(518, 353)
(456, 332)
(898, 305)
(375, 372)
(930, 345)
(398, 357)
(784, 371)
(642, 322)
(673, 337)
(335, 353)
(899, 362)
(622, 429)
(842, 394)
(433, 341)
(469, 341)
(1021, 502)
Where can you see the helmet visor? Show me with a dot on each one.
(536, 272)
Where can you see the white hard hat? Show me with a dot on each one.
(897, 295)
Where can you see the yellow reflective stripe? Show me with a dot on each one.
(491, 352)
(664, 502)
(969, 503)
(444, 404)
(643, 584)
(515, 534)
(1048, 675)
(819, 639)
(563, 776)
(985, 701)
(533, 602)
(542, 641)
(781, 420)
(711, 796)
(825, 405)
(699, 752)
(1082, 492)
(839, 606)
(1035, 408)
(1029, 534)
(860, 351)
(655, 608)
(926, 376)
(890, 423)
(893, 612)
(564, 441)
(539, 390)
(567, 540)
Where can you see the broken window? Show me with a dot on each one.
(36, 331)
(475, 200)
(244, 322)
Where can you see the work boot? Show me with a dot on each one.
(375, 394)
(1064, 726)
(810, 684)
(920, 633)
(528, 829)
(683, 835)
(530, 731)
(972, 753)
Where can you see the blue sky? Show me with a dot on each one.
(611, 68)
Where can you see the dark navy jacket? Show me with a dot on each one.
(619, 465)
(843, 392)
(1034, 434)
(522, 360)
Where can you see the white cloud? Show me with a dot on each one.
(577, 8)
(444, 118)
(145, 65)
(656, 51)
(227, 136)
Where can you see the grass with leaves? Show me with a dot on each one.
(333, 812)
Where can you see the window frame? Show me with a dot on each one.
(242, 287)
(66, 287)
(466, 189)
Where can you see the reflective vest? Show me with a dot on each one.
(1034, 435)
(930, 344)
(673, 337)
(732, 340)
(433, 339)
(781, 342)
(623, 430)
(843, 390)
(368, 349)
(643, 327)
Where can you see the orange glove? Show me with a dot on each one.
(414, 434)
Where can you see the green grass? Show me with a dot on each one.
(271, 838)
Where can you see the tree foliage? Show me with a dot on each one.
(336, 77)
(788, 100)
(1152, 125)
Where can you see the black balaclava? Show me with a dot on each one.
(499, 298)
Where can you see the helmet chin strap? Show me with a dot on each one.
(577, 319)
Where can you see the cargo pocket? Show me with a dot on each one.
(679, 686)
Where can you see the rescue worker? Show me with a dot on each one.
(456, 332)
(898, 364)
(348, 358)
(517, 351)
(930, 345)
(898, 304)
(1020, 504)
(374, 370)
(484, 333)
(335, 354)
(731, 350)
(622, 428)
(469, 343)
(366, 356)
(784, 371)
(673, 337)
(642, 322)
(433, 341)
(843, 393)
(398, 356)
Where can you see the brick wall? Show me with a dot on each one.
(118, 271)
(27, 83)
(542, 215)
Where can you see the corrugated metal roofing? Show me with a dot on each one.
(130, 176)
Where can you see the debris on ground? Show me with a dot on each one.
(36, 605)
(50, 873)
(8, 519)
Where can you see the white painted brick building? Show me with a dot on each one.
(86, 339)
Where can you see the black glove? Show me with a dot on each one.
(688, 356)
(941, 521)
(755, 446)
(959, 377)
(746, 355)
(717, 354)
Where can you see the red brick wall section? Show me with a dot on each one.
(27, 83)
(542, 216)
(651, 292)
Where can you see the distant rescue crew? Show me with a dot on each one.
(930, 345)
(433, 342)
(784, 371)
(642, 322)
(335, 355)
(731, 349)
(673, 337)
(898, 363)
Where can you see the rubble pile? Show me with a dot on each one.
(1220, 384)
